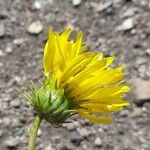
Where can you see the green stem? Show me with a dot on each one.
(33, 134)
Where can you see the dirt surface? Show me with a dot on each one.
(115, 27)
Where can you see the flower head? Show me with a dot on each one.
(77, 81)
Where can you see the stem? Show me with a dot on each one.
(33, 134)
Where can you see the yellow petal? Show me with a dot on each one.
(95, 119)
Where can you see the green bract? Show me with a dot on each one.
(50, 102)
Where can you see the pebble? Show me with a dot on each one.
(15, 103)
(8, 49)
(1, 133)
(35, 28)
(126, 25)
(16, 123)
(39, 133)
(63, 146)
(83, 132)
(136, 112)
(146, 29)
(37, 5)
(124, 113)
(103, 6)
(6, 121)
(18, 41)
(17, 79)
(129, 12)
(12, 142)
(142, 70)
(140, 61)
(2, 53)
(76, 2)
(76, 140)
(49, 147)
(71, 126)
(98, 142)
(142, 88)
(2, 30)
(148, 51)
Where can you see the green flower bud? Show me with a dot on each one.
(50, 102)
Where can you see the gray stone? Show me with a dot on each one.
(18, 41)
(148, 51)
(136, 112)
(76, 140)
(71, 126)
(39, 132)
(17, 79)
(126, 25)
(2, 30)
(6, 121)
(103, 6)
(37, 5)
(15, 103)
(83, 132)
(142, 70)
(146, 29)
(141, 88)
(12, 142)
(1, 133)
(8, 49)
(76, 2)
(129, 12)
(124, 113)
(35, 28)
(2, 53)
(49, 147)
(64, 146)
(98, 142)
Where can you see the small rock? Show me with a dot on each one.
(136, 112)
(71, 126)
(1, 133)
(35, 27)
(117, 3)
(16, 123)
(148, 51)
(39, 133)
(18, 41)
(83, 132)
(37, 5)
(129, 12)
(142, 70)
(142, 88)
(6, 121)
(51, 2)
(12, 142)
(76, 2)
(124, 113)
(63, 146)
(15, 103)
(49, 147)
(76, 140)
(2, 53)
(146, 29)
(140, 61)
(17, 79)
(127, 24)
(2, 30)
(8, 49)
(98, 142)
(103, 6)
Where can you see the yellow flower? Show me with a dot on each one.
(90, 86)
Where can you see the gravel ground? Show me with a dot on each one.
(115, 27)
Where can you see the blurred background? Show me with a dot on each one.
(115, 27)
